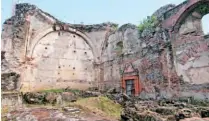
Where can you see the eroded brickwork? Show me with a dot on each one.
(169, 57)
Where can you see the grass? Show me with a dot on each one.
(60, 90)
(53, 90)
(76, 91)
(101, 105)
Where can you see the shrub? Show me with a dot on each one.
(203, 9)
(148, 23)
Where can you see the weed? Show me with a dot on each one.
(148, 23)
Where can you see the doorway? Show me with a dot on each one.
(130, 90)
(131, 85)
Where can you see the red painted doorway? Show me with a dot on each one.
(131, 84)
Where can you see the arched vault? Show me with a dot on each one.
(46, 32)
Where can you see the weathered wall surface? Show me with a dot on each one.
(11, 100)
(61, 59)
(118, 48)
(171, 57)
(165, 56)
(151, 56)
(189, 46)
(50, 54)
(191, 50)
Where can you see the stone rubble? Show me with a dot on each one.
(169, 59)
(42, 114)
(163, 110)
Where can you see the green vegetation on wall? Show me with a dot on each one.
(203, 9)
(115, 27)
(150, 21)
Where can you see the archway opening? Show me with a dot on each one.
(205, 24)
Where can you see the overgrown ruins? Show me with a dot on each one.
(168, 59)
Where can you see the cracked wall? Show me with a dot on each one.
(190, 47)
(48, 53)
(171, 58)
(191, 50)
(149, 55)
(61, 59)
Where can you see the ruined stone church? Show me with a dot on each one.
(168, 59)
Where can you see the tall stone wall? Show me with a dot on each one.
(150, 55)
(48, 53)
(171, 58)
(120, 44)
(61, 59)
(191, 49)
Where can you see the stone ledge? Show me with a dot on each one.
(8, 93)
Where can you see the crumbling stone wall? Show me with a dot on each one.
(118, 49)
(150, 55)
(189, 46)
(155, 52)
(61, 59)
(148, 51)
(191, 49)
(169, 56)
(48, 53)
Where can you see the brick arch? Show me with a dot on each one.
(188, 42)
(43, 34)
(174, 20)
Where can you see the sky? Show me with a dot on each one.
(97, 11)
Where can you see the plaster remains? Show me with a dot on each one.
(166, 60)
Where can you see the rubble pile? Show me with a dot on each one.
(56, 96)
(48, 114)
(164, 110)
(178, 109)
(134, 108)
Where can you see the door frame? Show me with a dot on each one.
(137, 84)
